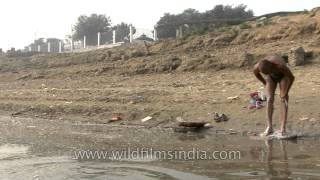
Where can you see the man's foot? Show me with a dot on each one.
(284, 135)
(267, 132)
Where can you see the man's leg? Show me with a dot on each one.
(270, 89)
(284, 84)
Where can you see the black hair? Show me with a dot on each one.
(265, 66)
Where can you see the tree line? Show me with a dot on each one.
(167, 24)
(89, 26)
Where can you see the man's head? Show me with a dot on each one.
(265, 66)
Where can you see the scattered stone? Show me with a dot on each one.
(233, 97)
(231, 131)
(303, 118)
(146, 119)
(179, 119)
(313, 120)
(208, 125)
(132, 102)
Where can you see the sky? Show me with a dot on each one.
(24, 20)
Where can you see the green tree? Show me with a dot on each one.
(190, 15)
(89, 26)
(166, 27)
(229, 12)
(123, 31)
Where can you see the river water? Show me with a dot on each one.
(41, 149)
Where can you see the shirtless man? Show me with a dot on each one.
(276, 71)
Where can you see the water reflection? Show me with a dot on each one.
(277, 167)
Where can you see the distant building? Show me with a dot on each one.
(143, 38)
(42, 45)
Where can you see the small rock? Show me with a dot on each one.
(132, 102)
(233, 132)
(179, 119)
(146, 119)
(303, 118)
(208, 125)
(313, 120)
(233, 97)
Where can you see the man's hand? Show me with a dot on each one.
(256, 72)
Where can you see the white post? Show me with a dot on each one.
(155, 34)
(71, 45)
(114, 36)
(30, 48)
(84, 42)
(49, 46)
(131, 36)
(60, 46)
(99, 38)
(180, 32)
(177, 33)
(39, 48)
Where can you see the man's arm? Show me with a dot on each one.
(256, 72)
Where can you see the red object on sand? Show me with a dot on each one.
(255, 102)
(254, 94)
